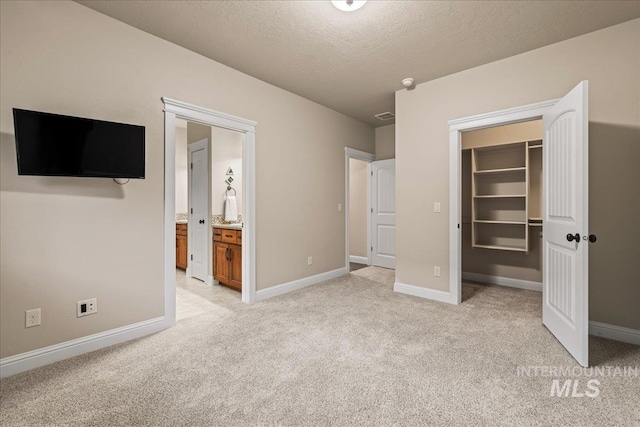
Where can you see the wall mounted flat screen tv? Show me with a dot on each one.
(55, 145)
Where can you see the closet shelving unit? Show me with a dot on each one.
(501, 209)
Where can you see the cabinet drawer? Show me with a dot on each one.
(181, 229)
(229, 236)
(217, 235)
(239, 237)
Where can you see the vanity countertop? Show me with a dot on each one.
(228, 226)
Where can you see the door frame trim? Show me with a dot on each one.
(507, 116)
(178, 109)
(352, 153)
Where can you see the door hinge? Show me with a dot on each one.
(371, 248)
(458, 226)
(191, 165)
(192, 211)
(191, 257)
(371, 210)
(371, 173)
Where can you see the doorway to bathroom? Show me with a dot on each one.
(209, 193)
(209, 203)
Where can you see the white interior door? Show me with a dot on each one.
(199, 219)
(565, 309)
(383, 213)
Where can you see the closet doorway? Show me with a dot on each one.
(357, 208)
(499, 216)
(502, 205)
(369, 210)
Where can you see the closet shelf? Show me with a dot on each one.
(505, 170)
(535, 222)
(535, 146)
(487, 221)
(500, 196)
(502, 248)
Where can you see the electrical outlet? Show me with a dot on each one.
(436, 207)
(32, 318)
(87, 307)
(339, 207)
(309, 260)
(436, 271)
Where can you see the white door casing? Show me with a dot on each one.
(565, 307)
(199, 218)
(383, 213)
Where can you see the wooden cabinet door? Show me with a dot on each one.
(221, 262)
(235, 268)
(181, 252)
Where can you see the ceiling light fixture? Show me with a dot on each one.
(348, 5)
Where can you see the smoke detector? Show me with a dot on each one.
(408, 82)
(385, 116)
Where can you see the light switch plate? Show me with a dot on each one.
(436, 207)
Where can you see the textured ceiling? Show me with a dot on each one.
(353, 62)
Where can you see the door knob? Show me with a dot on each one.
(571, 237)
(593, 238)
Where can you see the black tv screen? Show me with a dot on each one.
(55, 145)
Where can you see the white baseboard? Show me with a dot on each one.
(358, 259)
(503, 281)
(419, 291)
(210, 281)
(613, 332)
(284, 288)
(44, 356)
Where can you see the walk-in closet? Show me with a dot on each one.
(502, 205)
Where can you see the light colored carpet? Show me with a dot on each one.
(349, 351)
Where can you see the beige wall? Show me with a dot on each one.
(226, 152)
(386, 142)
(197, 132)
(514, 265)
(610, 60)
(358, 197)
(66, 239)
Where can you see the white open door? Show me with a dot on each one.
(383, 213)
(199, 219)
(565, 306)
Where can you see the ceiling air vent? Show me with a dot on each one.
(385, 116)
